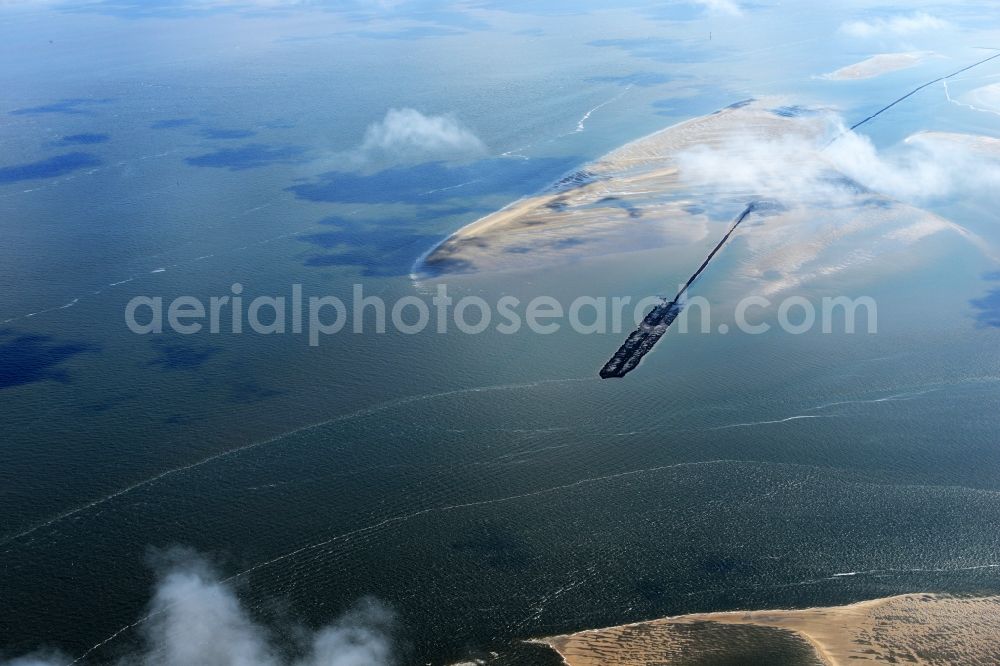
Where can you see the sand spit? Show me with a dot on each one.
(921, 629)
(877, 65)
(976, 143)
(986, 97)
(631, 199)
(678, 190)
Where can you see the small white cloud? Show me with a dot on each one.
(721, 7)
(196, 619)
(406, 135)
(894, 25)
(922, 168)
(38, 660)
(796, 167)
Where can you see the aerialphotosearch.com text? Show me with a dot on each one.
(319, 316)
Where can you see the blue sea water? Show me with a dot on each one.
(488, 488)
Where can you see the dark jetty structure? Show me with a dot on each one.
(655, 324)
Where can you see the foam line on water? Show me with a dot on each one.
(580, 124)
(797, 417)
(361, 413)
(156, 271)
(405, 517)
(947, 95)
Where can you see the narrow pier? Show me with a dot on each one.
(659, 319)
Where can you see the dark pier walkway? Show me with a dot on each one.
(655, 324)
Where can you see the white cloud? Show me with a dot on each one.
(795, 167)
(195, 620)
(828, 221)
(406, 135)
(920, 169)
(721, 7)
(895, 25)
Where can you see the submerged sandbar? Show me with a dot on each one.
(877, 65)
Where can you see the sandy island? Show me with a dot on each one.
(883, 63)
(677, 191)
(987, 146)
(922, 629)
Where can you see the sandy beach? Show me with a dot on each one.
(923, 629)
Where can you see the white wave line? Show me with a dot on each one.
(46, 310)
(968, 106)
(508, 456)
(580, 123)
(875, 572)
(368, 411)
(909, 395)
(52, 182)
(580, 126)
(784, 420)
(404, 517)
(889, 398)
(514, 153)
(161, 269)
(452, 187)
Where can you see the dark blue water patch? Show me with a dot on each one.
(30, 358)
(676, 11)
(249, 392)
(181, 355)
(85, 139)
(437, 212)
(60, 165)
(988, 306)
(566, 243)
(549, 7)
(71, 106)
(172, 123)
(795, 111)
(493, 545)
(641, 79)
(425, 11)
(632, 211)
(180, 419)
(428, 183)
(411, 33)
(227, 133)
(250, 156)
(143, 9)
(659, 49)
(376, 249)
(445, 15)
(742, 103)
(704, 101)
(278, 123)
